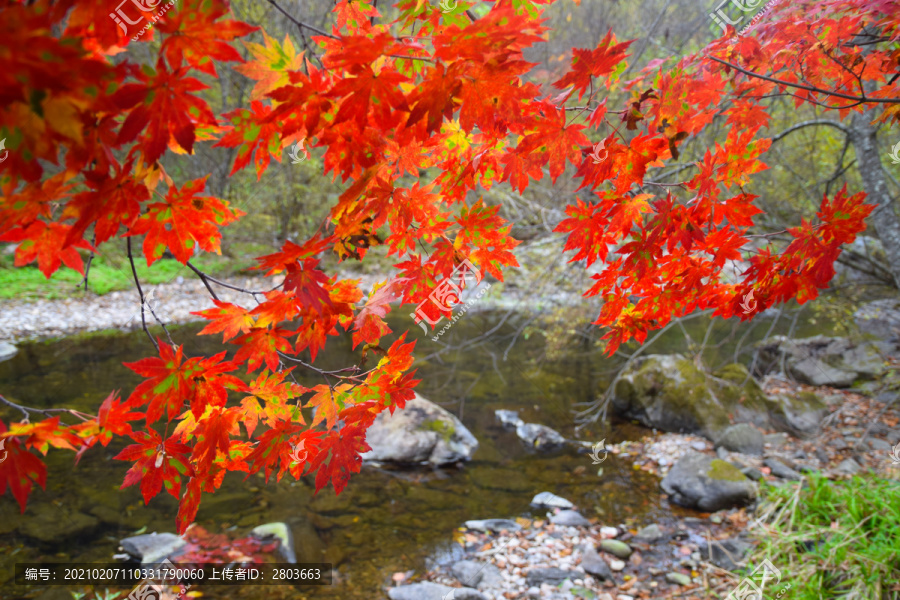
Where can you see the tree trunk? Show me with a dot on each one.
(884, 218)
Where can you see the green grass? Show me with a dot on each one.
(107, 274)
(833, 539)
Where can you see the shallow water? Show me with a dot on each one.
(386, 520)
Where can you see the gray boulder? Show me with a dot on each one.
(152, 548)
(880, 318)
(743, 438)
(702, 482)
(671, 393)
(427, 590)
(548, 500)
(422, 432)
(540, 437)
(7, 351)
(821, 360)
(472, 573)
(593, 563)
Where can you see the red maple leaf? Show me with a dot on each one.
(157, 464)
(20, 469)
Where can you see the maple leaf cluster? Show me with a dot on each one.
(86, 133)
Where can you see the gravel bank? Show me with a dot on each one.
(173, 303)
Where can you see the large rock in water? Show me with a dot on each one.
(427, 590)
(707, 483)
(669, 392)
(422, 432)
(821, 360)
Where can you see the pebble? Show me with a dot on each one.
(607, 532)
(617, 565)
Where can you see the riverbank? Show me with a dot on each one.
(573, 553)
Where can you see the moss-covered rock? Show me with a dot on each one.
(421, 432)
(706, 483)
(671, 393)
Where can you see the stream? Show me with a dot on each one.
(387, 520)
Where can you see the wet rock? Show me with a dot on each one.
(422, 432)
(569, 518)
(7, 351)
(488, 525)
(849, 467)
(152, 548)
(471, 573)
(743, 438)
(282, 533)
(725, 553)
(880, 318)
(699, 481)
(51, 525)
(548, 500)
(427, 590)
(550, 575)
(593, 563)
(678, 578)
(649, 534)
(779, 469)
(508, 418)
(540, 436)
(616, 548)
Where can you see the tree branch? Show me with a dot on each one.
(811, 123)
(809, 88)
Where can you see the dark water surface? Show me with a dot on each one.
(386, 520)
